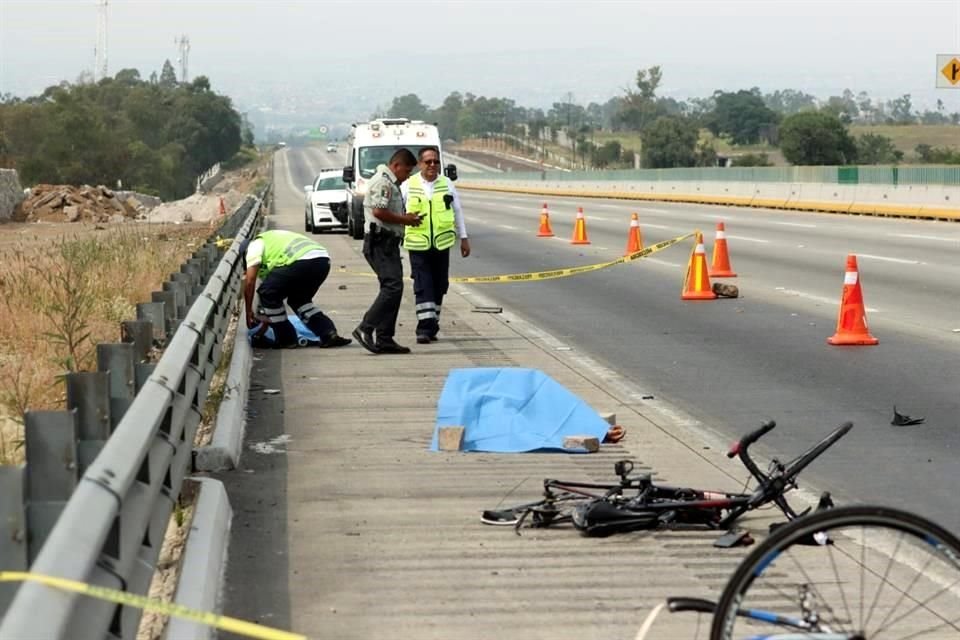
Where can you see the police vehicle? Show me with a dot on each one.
(371, 144)
(325, 205)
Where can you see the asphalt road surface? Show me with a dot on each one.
(729, 364)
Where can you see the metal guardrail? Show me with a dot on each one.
(872, 175)
(93, 501)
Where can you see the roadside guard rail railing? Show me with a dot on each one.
(868, 175)
(93, 500)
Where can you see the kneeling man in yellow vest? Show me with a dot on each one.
(291, 268)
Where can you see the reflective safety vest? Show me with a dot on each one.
(281, 248)
(437, 228)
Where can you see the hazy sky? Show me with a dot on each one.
(591, 48)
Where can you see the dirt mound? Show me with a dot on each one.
(66, 203)
(197, 208)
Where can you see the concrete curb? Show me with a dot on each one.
(842, 207)
(204, 561)
(223, 452)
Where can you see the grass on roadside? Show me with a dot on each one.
(59, 298)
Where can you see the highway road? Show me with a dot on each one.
(727, 365)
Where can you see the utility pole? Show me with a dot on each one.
(183, 46)
(100, 49)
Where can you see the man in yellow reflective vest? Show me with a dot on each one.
(434, 198)
(291, 268)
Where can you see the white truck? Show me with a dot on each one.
(371, 144)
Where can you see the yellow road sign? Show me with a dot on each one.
(948, 71)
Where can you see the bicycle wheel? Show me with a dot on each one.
(857, 572)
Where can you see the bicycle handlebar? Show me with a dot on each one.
(750, 438)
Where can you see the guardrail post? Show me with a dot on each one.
(88, 393)
(116, 360)
(169, 301)
(13, 529)
(185, 282)
(154, 313)
(180, 300)
(140, 334)
(51, 447)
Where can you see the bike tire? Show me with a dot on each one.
(923, 533)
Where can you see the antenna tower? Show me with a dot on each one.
(100, 50)
(183, 44)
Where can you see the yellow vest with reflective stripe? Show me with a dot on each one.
(281, 248)
(437, 228)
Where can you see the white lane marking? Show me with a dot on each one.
(815, 298)
(716, 216)
(652, 210)
(745, 238)
(516, 206)
(796, 224)
(654, 226)
(886, 259)
(603, 249)
(659, 261)
(506, 226)
(920, 237)
(592, 217)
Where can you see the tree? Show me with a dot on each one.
(790, 101)
(446, 115)
(168, 77)
(742, 116)
(670, 141)
(127, 76)
(639, 107)
(873, 148)
(752, 160)
(816, 138)
(844, 107)
(408, 106)
(901, 110)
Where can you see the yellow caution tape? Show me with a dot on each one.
(555, 273)
(572, 271)
(224, 623)
(223, 243)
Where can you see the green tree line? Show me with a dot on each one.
(155, 136)
(807, 131)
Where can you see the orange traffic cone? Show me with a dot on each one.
(696, 284)
(852, 321)
(580, 229)
(223, 208)
(720, 268)
(634, 237)
(545, 230)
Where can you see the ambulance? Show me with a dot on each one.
(371, 144)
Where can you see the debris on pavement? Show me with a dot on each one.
(903, 420)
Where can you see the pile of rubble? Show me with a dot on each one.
(65, 203)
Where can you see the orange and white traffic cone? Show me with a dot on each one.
(580, 229)
(852, 321)
(720, 268)
(223, 208)
(634, 237)
(545, 230)
(696, 285)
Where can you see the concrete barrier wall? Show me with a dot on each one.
(916, 201)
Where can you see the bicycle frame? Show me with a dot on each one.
(683, 505)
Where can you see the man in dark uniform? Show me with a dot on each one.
(291, 268)
(385, 218)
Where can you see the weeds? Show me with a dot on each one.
(60, 298)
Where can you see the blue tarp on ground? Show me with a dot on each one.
(304, 336)
(512, 410)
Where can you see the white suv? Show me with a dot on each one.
(325, 207)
